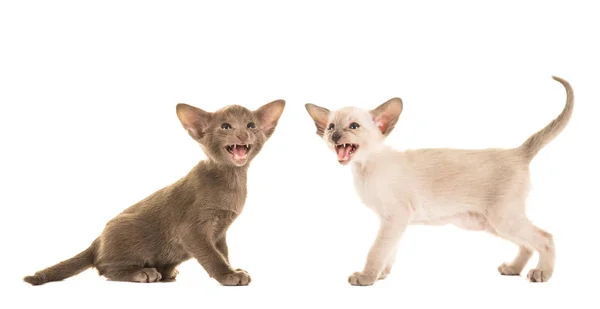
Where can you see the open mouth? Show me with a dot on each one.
(238, 152)
(345, 152)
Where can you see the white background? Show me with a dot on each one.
(88, 127)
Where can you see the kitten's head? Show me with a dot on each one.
(352, 133)
(233, 135)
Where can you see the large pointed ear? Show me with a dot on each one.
(320, 116)
(193, 119)
(386, 115)
(268, 116)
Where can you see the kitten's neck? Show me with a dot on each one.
(373, 153)
(226, 169)
(229, 176)
(361, 167)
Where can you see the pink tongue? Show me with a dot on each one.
(344, 153)
(239, 152)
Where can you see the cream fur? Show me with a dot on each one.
(483, 190)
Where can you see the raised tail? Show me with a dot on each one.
(65, 269)
(541, 138)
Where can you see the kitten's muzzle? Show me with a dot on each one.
(345, 152)
(242, 137)
(239, 152)
(335, 137)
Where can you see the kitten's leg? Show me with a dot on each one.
(390, 263)
(521, 231)
(144, 275)
(515, 267)
(390, 232)
(222, 247)
(216, 265)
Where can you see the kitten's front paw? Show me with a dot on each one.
(240, 270)
(236, 278)
(359, 278)
(538, 275)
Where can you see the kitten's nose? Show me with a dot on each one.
(242, 136)
(335, 137)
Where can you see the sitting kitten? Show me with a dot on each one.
(189, 218)
(473, 189)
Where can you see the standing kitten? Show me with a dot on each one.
(188, 219)
(473, 189)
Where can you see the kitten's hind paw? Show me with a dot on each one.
(508, 270)
(171, 276)
(362, 279)
(538, 275)
(147, 275)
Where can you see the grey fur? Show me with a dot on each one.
(187, 219)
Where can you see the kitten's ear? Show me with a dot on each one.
(193, 119)
(268, 116)
(320, 116)
(386, 115)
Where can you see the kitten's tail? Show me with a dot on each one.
(67, 268)
(541, 138)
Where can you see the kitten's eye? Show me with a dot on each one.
(331, 126)
(354, 125)
(225, 126)
(251, 125)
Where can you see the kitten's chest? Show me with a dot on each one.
(368, 187)
(222, 193)
(230, 198)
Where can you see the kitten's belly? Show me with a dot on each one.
(383, 196)
(468, 220)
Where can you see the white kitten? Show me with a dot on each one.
(474, 189)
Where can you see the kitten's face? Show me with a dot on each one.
(232, 135)
(352, 133)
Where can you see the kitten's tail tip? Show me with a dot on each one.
(559, 79)
(34, 280)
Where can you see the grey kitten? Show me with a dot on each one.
(189, 218)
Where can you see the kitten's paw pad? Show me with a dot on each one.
(362, 279)
(538, 275)
(147, 275)
(236, 278)
(508, 270)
